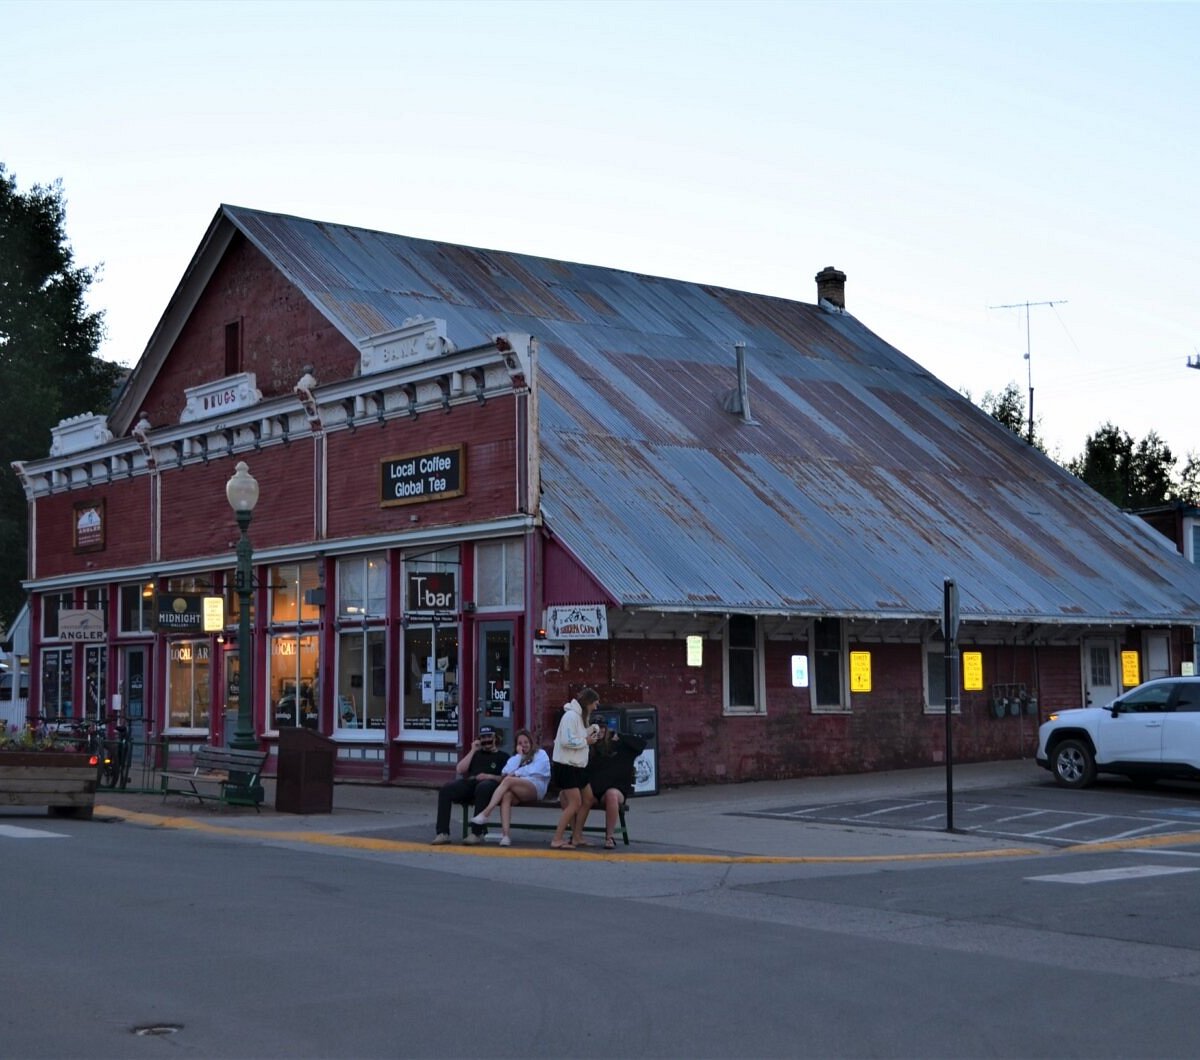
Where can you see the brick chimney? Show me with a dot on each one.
(831, 285)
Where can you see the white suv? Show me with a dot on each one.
(1148, 733)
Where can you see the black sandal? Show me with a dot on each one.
(610, 843)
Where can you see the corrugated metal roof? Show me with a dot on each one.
(862, 482)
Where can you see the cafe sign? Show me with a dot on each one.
(432, 475)
(431, 591)
(577, 622)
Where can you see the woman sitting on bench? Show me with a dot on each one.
(526, 776)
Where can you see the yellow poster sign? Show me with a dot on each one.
(860, 671)
(972, 671)
(1129, 669)
(214, 614)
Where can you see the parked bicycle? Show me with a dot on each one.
(112, 755)
(116, 758)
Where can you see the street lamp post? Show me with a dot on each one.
(242, 493)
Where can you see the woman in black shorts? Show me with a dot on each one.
(568, 768)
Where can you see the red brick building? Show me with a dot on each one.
(487, 480)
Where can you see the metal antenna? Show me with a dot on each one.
(1028, 359)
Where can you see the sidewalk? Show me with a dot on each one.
(716, 820)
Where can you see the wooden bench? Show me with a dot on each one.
(548, 803)
(221, 774)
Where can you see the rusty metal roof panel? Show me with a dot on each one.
(861, 482)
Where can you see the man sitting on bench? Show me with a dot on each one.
(478, 775)
(610, 780)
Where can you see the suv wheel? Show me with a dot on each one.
(1074, 765)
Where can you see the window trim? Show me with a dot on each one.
(359, 734)
(172, 645)
(843, 706)
(759, 709)
(511, 577)
(931, 646)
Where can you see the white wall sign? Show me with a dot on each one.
(229, 394)
(78, 623)
(418, 339)
(577, 622)
(799, 671)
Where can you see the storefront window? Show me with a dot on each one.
(290, 585)
(500, 574)
(362, 587)
(430, 676)
(233, 600)
(52, 603)
(195, 584)
(136, 610)
(188, 684)
(95, 681)
(294, 688)
(57, 672)
(362, 677)
(431, 680)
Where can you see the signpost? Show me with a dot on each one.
(950, 632)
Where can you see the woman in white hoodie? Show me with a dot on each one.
(526, 776)
(570, 758)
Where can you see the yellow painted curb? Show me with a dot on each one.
(151, 820)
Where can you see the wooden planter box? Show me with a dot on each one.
(64, 781)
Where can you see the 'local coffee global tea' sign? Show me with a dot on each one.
(433, 475)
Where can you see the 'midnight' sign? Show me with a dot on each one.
(428, 476)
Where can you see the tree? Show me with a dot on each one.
(1130, 474)
(1189, 480)
(1008, 407)
(48, 364)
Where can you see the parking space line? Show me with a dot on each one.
(891, 809)
(1128, 872)
(1083, 820)
(1022, 816)
(12, 831)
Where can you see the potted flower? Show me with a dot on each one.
(35, 770)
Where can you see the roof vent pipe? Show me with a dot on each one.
(831, 286)
(738, 399)
(743, 383)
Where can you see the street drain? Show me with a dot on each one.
(154, 1030)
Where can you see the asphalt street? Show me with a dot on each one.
(756, 920)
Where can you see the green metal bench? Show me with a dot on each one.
(547, 803)
(220, 774)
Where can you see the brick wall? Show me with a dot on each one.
(197, 519)
(489, 455)
(281, 332)
(127, 528)
(887, 728)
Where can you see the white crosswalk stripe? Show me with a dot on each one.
(12, 831)
(1129, 872)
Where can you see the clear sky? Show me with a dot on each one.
(948, 157)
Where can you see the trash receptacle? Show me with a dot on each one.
(641, 719)
(304, 776)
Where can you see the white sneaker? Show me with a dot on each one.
(440, 838)
(505, 841)
(473, 839)
(479, 819)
